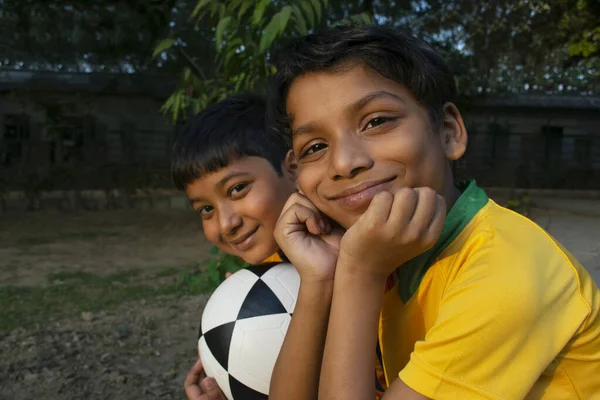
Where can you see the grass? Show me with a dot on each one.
(81, 291)
(13, 267)
(88, 278)
(77, 235)
(168, 271)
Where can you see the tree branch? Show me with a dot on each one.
(192, 63)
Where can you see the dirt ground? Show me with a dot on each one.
(104, 305)
(90, 305)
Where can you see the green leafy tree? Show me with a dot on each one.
(244, 33)
(514, 46)
(65, 35)
(582, 26)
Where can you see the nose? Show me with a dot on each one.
(348, 157)
(229, 221)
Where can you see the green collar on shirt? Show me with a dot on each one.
(472, 199)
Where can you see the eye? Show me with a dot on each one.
(377, 121)
(315, 148)
(205, 210)
(237, 189)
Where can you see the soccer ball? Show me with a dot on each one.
(243, 327)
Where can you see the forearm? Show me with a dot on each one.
(298, 367)
(349, 355)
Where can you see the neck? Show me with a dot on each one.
(451, 192)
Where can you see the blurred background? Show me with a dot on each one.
(103, 267)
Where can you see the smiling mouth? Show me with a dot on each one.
(361, 195)
(243, 238)
(361, 187)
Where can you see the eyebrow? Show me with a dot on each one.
(380, 94)
(220, 184)
(353, 108)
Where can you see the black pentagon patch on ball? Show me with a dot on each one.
(219, 341)
(243, 392)
(260, 269)
(259, 301)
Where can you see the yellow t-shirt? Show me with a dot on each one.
(496, 310)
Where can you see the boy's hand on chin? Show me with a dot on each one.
(308, 239)
(395, 228)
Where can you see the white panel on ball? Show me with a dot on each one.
(222, 307)
(284, 281)
(255, 345)
(213, 369)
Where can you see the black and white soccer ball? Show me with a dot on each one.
(243, 327)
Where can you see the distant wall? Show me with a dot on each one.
(99, 129)
(533, 148)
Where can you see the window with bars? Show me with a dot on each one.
(553, 138)
(16, 132)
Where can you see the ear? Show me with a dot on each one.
(454, 134)
(290, 166)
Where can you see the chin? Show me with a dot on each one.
(252, 260)
(255, 257)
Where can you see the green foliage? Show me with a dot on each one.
(76, 35)
(218, 265)
(162, 46)
(580, 23)
(509, 46)
(214, 271)
(243, 33)
(588, 45)
(275, 28)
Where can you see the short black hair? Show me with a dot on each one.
(388, 51)
(222, 133)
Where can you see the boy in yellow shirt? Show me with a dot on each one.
(462, 298)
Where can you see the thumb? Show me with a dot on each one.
(192, 382)
(211, 389)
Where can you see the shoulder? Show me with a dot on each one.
(498, 237)
(510, 256)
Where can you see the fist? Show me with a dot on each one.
(394, 229)
(308, 238)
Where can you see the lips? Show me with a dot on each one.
(245, 241)
(360, 195)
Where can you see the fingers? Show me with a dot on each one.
(296, 198)
(423, 209)
(378, 211)
(304, 215)
(439, 218)
(406, 201)
(419, 215)
(192, 382)
(299, 210)
(211, 390)
(228, 274)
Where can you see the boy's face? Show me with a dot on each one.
(240, 204)
(356, 133)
